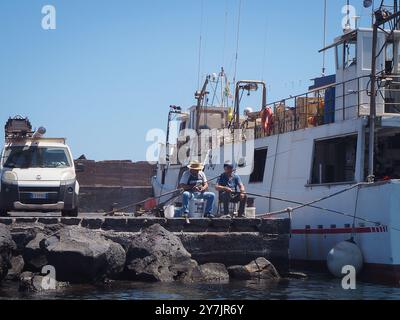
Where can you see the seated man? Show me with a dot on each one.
(195, 184)
(228, 185)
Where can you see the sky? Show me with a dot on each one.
(110, 70)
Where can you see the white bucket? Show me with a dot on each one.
(250, 213)
(169, 212)
(197, 208)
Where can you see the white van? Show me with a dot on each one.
(38, 174)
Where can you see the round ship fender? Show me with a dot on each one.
(346, 253)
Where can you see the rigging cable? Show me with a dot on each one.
(200, 43)
(264, 49)
(237, 42)
(325, 28)
(225, 31)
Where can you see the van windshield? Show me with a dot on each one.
(36, 157)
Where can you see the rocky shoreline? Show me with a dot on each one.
(49, 257)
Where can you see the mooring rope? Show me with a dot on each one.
(291, 211)
(310, 204)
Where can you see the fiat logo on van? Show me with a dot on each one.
(38, 177)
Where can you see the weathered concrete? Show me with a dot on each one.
(226, 241)
(237, 248)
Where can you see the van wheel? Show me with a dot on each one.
(3, 213)
(70, 213)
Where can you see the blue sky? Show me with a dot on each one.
(110, 70)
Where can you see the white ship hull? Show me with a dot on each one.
(315, 231)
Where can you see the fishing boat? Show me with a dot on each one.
(311, 157)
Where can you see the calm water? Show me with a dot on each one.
(316, 287)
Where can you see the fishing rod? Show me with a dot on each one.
(180, 190)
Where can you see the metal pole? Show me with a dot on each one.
(200, 96)
(167, 156)
(372, 118)
(237, 107)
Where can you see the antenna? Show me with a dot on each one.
(325, 27)
(200, 43)
(348, 24)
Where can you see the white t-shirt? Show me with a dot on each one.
(189, 179)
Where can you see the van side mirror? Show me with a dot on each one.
(79, 167)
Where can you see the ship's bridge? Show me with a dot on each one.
(345, 95)
(353, 55)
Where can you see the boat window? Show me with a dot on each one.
(387, 154)
(260, 159)
(389, 58)
(339, 57)
(334, 160)
(350, 54)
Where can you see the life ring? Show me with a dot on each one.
(267, 117)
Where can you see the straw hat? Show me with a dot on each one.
(196, 165)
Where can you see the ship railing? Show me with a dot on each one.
(339, 101)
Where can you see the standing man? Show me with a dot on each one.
(195, 184)
(231, 189)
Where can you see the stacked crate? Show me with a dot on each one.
(309, 112)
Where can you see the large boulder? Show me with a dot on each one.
(35, 254)
(34, 283)
(260, 268)
(7, 246)
(17, 267)
(22, 236)
(208, 273)
(78, 255)
(157, 255)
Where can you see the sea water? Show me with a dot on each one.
(316, 287)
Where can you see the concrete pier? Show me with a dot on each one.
(227, 241)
